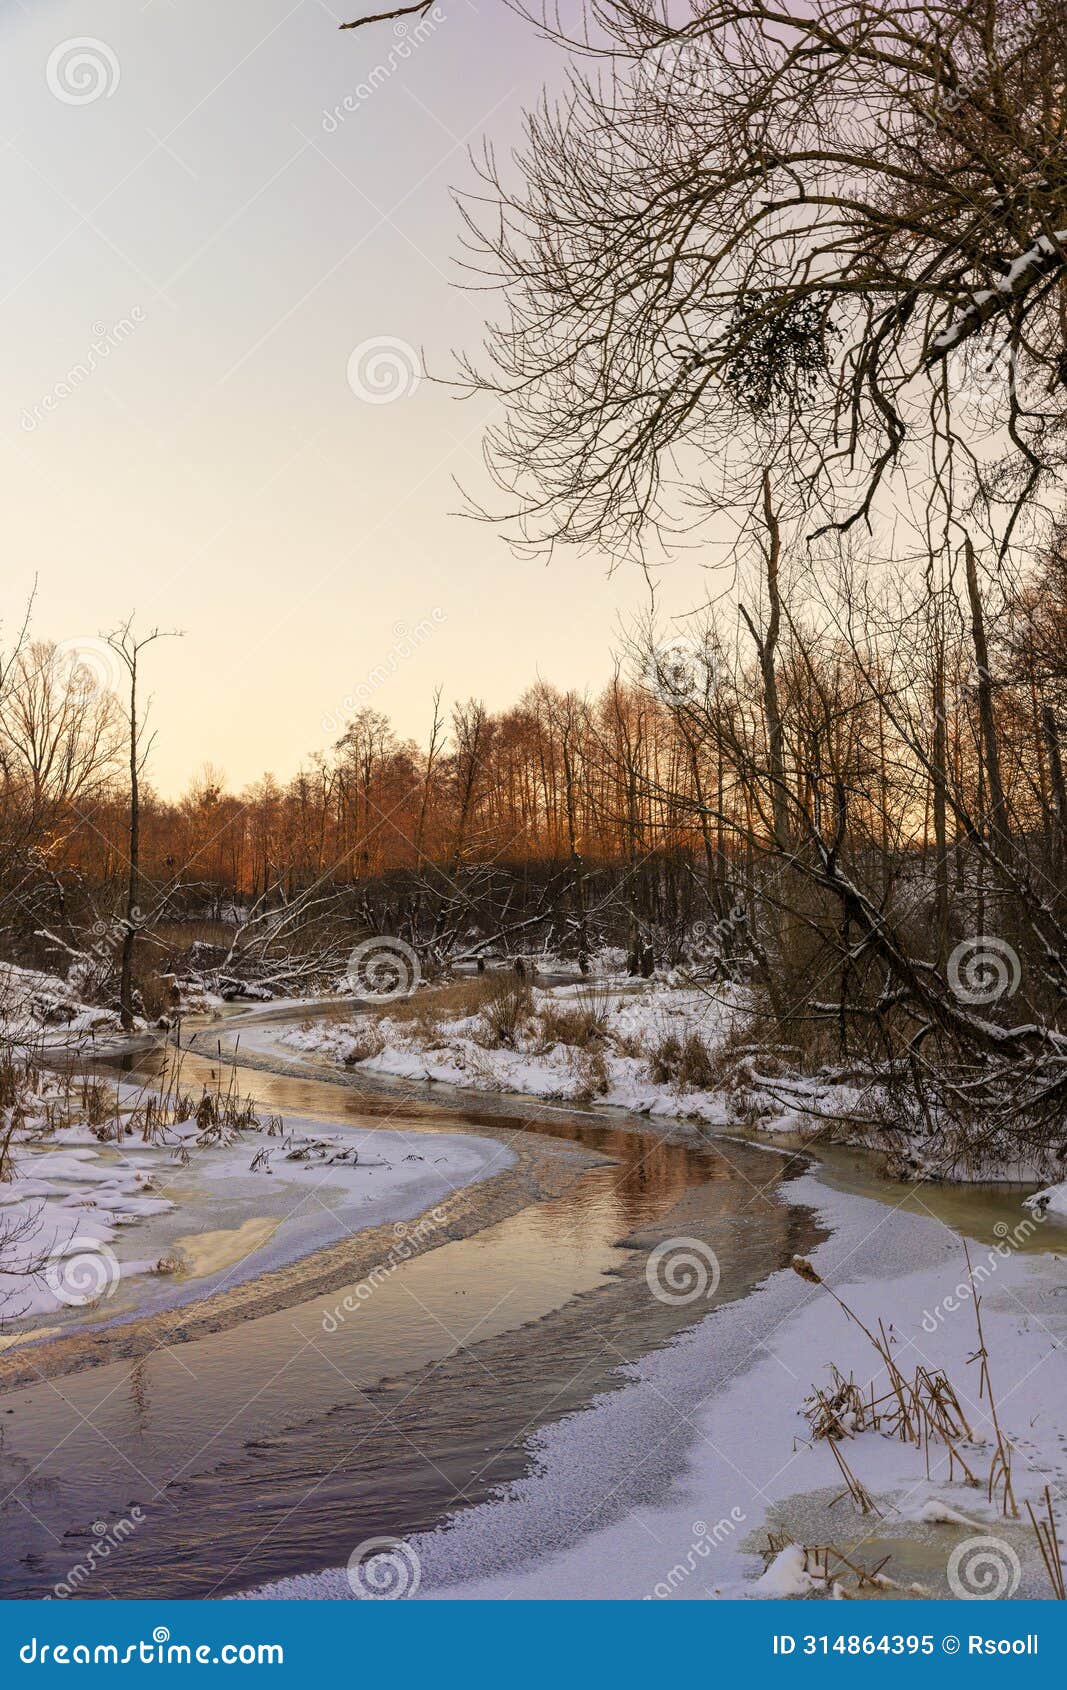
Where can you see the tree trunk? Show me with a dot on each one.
(998, 819)
(1059, 791)
(129, 938)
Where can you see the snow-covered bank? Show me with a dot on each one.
(106, 1220)
(672, 1048)
(45, 1011)
(605, 1514)
(609, 1067)
(1053, 1200)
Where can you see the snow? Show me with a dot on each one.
(1044, 255)
(935, 1513)
(1052, 1200)
(43, 1010)
(454, 1054)
(787, 1574)
(71, 1197)
(617, 1494)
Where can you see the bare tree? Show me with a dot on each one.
(786, 241)
(61, 730)
(128, 646)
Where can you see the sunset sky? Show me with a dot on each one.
(207, 214)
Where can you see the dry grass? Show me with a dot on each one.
(223, 1114)
(923, 1409)
(1049, 1544)
(593, 1079)
(365, 1042)
(683, 1060)
(425, 1013)
(839, 1574)
(54, 1099)
(840, 1410)
(7, 1168)
(49, 1101)
(581, 1022)
(506, 1009)
(19, 1075)
(454, 1002)
(85, 1098)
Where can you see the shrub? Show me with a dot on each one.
(581, 1022)
(365, 1042)
(696, 1065)
(685, 1062)
(506, 1007)
(593, 1079)
(663, 1059)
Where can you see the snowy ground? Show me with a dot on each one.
(604, 1514)
(636, 1017)
(1052, 1200)
(100, 1229)
(736, 1084)
(43, 1010)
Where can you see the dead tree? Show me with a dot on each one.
(128, 646)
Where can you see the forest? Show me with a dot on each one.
(592, 1122)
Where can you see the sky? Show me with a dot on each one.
(231, 256)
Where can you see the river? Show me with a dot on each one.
(274, 1446)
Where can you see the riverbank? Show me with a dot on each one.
(504, 1179)
(349, 1412)
(665, 1484)
(647, 1047)
(671, 1048)
(758, 1505)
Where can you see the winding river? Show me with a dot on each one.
(276, 1445)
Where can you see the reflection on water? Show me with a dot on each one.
(276, 1446)
(990, 1213)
